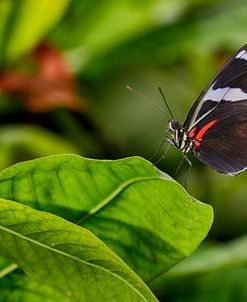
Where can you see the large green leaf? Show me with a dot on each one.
(6, 267)
(67, 257)
(142, 214)
(25, 22)
(17, 287)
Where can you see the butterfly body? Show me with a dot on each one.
(180, 139)
(215, 129)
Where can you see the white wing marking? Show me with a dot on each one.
(242, 55)
(226, 94)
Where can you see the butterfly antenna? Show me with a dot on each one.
(164, 99)
(148, 100)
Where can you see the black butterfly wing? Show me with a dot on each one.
(229, 84)
(223, 146)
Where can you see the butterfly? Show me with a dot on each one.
(215, 129)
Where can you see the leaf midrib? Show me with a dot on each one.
(111, 197)
(8, 269)
(71, 257)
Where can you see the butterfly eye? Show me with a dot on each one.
(174, 125)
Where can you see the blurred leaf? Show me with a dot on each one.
(213, 258)
(5, 10)
(226, 285)
(174, 42)
(204, 264)
(93, 30)
(22, 141)
(229, 203)
(25, 22)
(66, 257)
(144, 216)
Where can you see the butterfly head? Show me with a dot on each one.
(178, 135)
(174, 126)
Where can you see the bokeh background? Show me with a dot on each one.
(64, 67)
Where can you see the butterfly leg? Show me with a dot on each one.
(166, 150)
(188, 172)
(185, 157)
(165, 138)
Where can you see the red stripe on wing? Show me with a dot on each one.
(202, 131)
(192, 132)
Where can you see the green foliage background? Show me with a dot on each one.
(107, 45)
